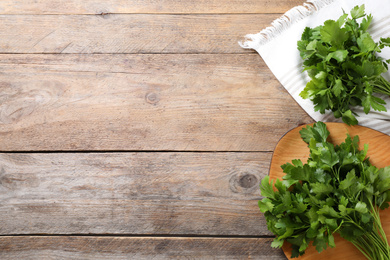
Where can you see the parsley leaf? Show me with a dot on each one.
(357, 12)
(336, 191)
(318, 131)
(333, 34)
(341, 60)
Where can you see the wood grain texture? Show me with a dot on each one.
(144, 6)
(132, 193)
(137, 33)
(139, 75)
(116, 248)
(292, 147)
(142, 102)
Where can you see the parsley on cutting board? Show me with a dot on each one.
(342, 63)
(336, 191)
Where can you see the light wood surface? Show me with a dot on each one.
(143, 248)
(291, 146)
(136, 129)
(128, 33)
(142, 102)
(145, 6)
(132, 193)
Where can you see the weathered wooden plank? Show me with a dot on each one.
(132, 193)
(128, 33)
(142, 102)
(144, 6)
(76, 247)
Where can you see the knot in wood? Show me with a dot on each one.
(247, 181)
(152, 98)
(244, 183)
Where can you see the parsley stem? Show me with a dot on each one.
(373, 244)
(358, 246)
(382, 86)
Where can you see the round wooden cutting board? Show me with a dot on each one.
(291, 146)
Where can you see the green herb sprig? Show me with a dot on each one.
(336, 191)
(342, 63)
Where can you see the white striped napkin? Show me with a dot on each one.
(277, 45)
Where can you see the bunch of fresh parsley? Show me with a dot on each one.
(337, 190)
(341, 60)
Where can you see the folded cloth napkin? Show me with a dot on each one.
(277, 46)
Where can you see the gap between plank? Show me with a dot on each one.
(132, 151)
(139, 235)
(244, 52)
(106, 14)
(247, 52)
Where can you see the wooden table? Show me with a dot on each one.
(136, 129)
